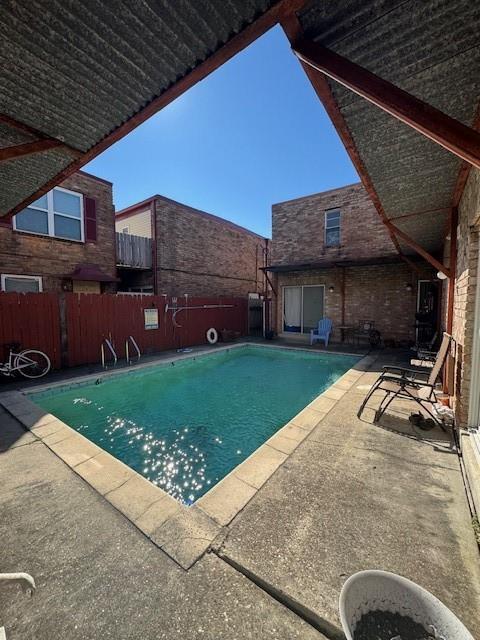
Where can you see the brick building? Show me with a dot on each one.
(194, 252)
(332, 257)
(466, 310)
(65, 240)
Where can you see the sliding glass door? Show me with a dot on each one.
(303, 307)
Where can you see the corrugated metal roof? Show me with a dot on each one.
(430, 49)
(77, 69)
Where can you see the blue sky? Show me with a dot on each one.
(251, 134)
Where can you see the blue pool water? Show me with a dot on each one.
(185, 426)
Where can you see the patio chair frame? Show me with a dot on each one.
(399, 382)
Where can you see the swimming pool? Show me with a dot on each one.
(185, 425)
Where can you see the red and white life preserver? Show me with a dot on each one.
(212, 335)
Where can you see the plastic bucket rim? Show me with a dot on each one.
(396, 578)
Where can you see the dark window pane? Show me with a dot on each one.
(21, 285)
(32, 220)
(333, 219)
(66, 203)
(67, 228)
(332, 237)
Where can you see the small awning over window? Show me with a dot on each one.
(91, 272)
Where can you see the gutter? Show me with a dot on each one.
(153, 222)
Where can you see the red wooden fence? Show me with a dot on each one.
(90, 318)
(75, 335)
(33, 320)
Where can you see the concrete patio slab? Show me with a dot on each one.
(282, 443)
(62, 433)
(358, 496)
(223, 502)
(104, 472)
(186, 536)
(311, 415)
(75, 449)
(258, 468)
(158, 513)
(334, 392)
(47, 429)
(134, 496)
(98, 576)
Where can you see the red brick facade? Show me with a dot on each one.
(51, 258)
(200, 254)
(385, 293)
(204, 255)
(465, 333)
(298, 228)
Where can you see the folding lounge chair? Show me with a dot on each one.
(425, 351)
(409, 384)
(322, 332)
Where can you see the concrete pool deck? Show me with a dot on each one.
(184, 533)
(351, 496)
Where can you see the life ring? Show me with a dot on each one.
(212, 335)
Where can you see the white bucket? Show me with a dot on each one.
(373, 590)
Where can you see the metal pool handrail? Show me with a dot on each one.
(127, 351)
(112, 351)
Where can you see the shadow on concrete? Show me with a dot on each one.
(12, 433)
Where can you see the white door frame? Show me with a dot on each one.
(301, 287)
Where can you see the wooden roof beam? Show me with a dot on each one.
(294, 32)
(43, 142)
(420, 250)
(27, 148)
(464, 171)
(451, 134)
(271, 17)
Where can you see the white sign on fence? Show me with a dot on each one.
(151, 318)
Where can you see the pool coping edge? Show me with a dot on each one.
(184, 533)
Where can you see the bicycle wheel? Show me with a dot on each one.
(32, 363)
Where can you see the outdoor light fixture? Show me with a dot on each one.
(331, 288)
(441, 275)
(408, 287)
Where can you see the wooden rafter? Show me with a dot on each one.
(237, 43)
(427, 120)
(42, 143)
(27, 148)
(294, 32)
(414, 214)
(420, 250)
(465, 168)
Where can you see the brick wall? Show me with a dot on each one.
(465, 290)
(298, 228)
(200, 254)
(376, 292)
(28, 254)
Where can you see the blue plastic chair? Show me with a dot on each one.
(322, 332)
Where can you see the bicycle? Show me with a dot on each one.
(29, 363)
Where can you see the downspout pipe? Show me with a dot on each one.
(153, 223)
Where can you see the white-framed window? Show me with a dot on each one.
(125, 230)
(59, 213)
(21, 284)
(332, 228)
